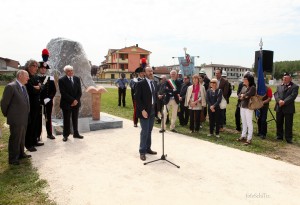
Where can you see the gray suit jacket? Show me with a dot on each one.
(14, 105)
(288, 95)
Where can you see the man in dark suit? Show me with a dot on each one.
(70, 90)
(223, 84)
(285, 96)
(34, 127)
(14, 99)
(47, 94)
(145, 102)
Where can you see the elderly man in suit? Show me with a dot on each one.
(14, 99)
(34, 127)
(70, 90)
(171, 99)
(285, 96)
(145, 102)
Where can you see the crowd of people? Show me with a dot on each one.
(191, 99)
(28, 98)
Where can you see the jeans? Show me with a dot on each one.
(145, 135)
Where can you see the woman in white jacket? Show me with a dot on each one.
(195, 99)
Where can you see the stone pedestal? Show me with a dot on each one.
(87, 124)
(96, 100)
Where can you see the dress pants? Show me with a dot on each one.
(238, 118)
(214, 121)
(195, 120)
(47, 113)
(34, 127)
(287, 119)
(172, 103)
(66, 123)
(183, 114)
(122, 95)
(145, 135)
(262, 121)
(16, 142)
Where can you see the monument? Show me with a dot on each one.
(68, 52)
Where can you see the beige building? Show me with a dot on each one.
(234, 73)
(124, 60)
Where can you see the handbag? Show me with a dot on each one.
(223, 102)
(255, 102)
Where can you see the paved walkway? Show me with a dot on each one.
(104, 168)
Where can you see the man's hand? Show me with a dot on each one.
(74, 103)
(281, 103)
(145, 114)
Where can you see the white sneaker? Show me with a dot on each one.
(208, 135)
(217, 136)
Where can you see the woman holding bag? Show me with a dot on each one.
(195, 100)
(213, 99)
(246, 113)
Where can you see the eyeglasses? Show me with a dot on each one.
(213, 82)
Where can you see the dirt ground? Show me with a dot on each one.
(104, 168)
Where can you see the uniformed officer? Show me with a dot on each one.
(48, 91)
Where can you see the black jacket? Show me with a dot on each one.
(69, 92)
(143, 97)
(288, 94)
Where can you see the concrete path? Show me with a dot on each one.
(104, 168)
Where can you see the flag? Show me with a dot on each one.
(187, 58)
(261, 85)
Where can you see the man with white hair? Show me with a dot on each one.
(70, 90)
(171, 99)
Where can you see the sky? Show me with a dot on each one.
(220, 32)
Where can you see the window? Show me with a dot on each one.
(112, 76)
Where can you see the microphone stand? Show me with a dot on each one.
(163, 156)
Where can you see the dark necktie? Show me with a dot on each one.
(25, 94)
(71, 81)
(152, 91)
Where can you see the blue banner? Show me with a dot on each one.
(187, 66)
(261, 85)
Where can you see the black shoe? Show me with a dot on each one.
(238, 129)
(14, 162)
(78, 136)
(173, 130)
(161, 131)
(289, 141)
(262, 137)
(143, 157)
(151, 151)
(31, 149)
(39, 144)
(51, 137)
(279, 138)
(65, 139)
(24, 156)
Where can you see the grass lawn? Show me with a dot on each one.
(228, 138)
(18, 184)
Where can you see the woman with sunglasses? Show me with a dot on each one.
(213, 99)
